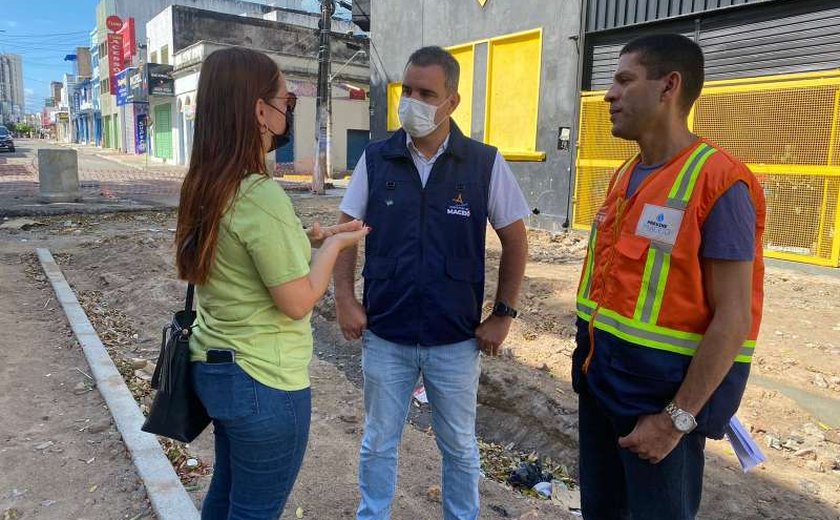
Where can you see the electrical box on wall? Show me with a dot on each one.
(564, 138)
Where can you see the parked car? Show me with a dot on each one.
(6, 142)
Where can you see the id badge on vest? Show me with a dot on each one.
(660, 223)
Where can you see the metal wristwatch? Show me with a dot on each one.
(502, 309)
(683, 421)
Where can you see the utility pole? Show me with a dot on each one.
(323, 106)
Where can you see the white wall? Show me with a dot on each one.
(187, 84)
(159, 32)
(185, 90)
(348, 114)
(144, 10)
(309, 20)
(305, 135)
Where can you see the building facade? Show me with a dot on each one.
(772, 98)
(55, 90)
(115, 120)
(740, 39)
(12, 101)
(180, 38)
(64, 123)
(91, 109)
(81, 105)
(519, 63)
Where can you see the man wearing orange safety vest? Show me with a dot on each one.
(670, 298)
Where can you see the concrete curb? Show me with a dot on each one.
(30, 208)
(170, 500)
(117, 161)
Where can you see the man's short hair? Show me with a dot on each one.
(434, 55)
(661, 54)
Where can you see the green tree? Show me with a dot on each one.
(23, 129)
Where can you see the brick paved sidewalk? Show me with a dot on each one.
(104, 175)
(107, 178)
(116, 182)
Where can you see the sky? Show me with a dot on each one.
(43, 32)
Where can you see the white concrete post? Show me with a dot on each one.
(58, 174)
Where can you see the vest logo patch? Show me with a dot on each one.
(459, 207)
(660, 224)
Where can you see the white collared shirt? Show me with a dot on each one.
(424, 165)
(506, 204)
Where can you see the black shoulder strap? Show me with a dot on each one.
(188, 305)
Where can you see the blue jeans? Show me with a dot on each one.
(261, 436)
(450, 374)
(615, 484)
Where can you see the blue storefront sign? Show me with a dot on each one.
(141, 134)
(123, 87)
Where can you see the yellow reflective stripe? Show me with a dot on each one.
(645, 342)
(659, 262)
(586, 283)
(682, 337)
(658, 265)
(646, 335)
(587, 303)
(643, 292)
(660, 288)
(696, 174)
(678, 183)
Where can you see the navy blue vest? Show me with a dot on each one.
(424, 258)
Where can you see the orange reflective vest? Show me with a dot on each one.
(643, 280)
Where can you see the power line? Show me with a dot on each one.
(43, 35)
(36, 80)
(16, 43)
(55, 39)
(35, 50)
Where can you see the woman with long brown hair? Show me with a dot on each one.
(239, 241)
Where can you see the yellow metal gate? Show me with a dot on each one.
(786, 128)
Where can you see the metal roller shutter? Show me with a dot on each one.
(767, 39)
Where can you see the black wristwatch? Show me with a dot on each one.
(504, 310)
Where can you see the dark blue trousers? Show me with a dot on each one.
(616, 484)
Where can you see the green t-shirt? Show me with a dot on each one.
(261, 244)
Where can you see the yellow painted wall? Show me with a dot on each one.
(463, 115)
(513, 94)
(394, 93)
(786, 128)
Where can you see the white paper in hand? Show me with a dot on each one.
(747, 451)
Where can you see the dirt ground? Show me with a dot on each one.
(61, 457)
(121, 267)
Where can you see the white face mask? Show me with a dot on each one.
(417, 118)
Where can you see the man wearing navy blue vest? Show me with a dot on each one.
(428, 192)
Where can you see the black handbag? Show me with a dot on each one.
(176, 412)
